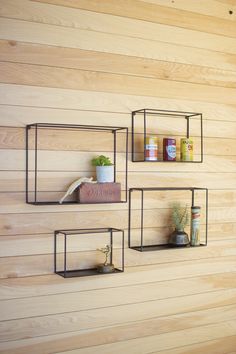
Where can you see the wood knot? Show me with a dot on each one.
(12, 43)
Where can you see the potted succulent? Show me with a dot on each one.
(104, 169)
(180, 219)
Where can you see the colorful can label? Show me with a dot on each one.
(169, 149)
(151, 148)
(195, 226)
(186, 149)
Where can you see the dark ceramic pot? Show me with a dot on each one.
(178, 239)
(106, 268)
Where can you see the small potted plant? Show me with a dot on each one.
(180, 219)
(104, 169)
(105, 267)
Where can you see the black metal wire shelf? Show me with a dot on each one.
(32, 172)
(145, 113)
(141, 247)
(71, 273)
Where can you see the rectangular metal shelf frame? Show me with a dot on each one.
(141, 247)
(167, 113)
(65, 273)
(35, 128)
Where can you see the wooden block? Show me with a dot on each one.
(99, 192)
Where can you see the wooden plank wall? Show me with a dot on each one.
(93, 62)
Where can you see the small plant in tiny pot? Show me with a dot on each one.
(104, 169)
(180, 219)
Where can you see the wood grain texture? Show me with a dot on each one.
(216, 8)
(59, 181)
(75, 340)
(30, 32)
(26, 74)
(107, 62)
(166, 341)
(20, 266)
(113, 109)
(42, 305)
(12, 138)
(23, 287)
(153, 13)
(76, 18)
(93, 62)
(111, 316)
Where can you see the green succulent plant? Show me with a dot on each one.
(180, 216)
(101, 161)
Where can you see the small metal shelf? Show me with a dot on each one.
(34, 146)
(143, 116)
(71, 273)
(141, 247)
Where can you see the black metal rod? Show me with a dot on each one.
(36, 164)
(111, 243)
(161, 111)
(141, 220)
(201, 137)
(75, 126)
(55, 251)
(193, 197)
(27, 165)
(123, 251)
(65, 254)
(132, 137)
(126, 163)
(187, 127)
(114, 154)
(206, 216)
(86, 231)
(145, 135)
(129, 219)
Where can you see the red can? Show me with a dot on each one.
(169, 149)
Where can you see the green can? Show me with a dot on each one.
(186, 149)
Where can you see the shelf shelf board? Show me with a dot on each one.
(84, 272)
(150, 248)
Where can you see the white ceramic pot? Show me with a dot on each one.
(105, 174)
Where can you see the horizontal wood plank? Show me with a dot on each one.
(81, 19)
(62, 140)
(75, 340)
(69, 104)
(14, 181)
(153, 13)
(216, 8)
(21, 266)
(30, 32)
(53, 284)
(75, 58)
(27, 74)
(90, 319)
(41, 306)
(166, 341)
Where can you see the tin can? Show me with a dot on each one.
(186, 149)
(151, 148)
(195, 226)
(169, 149)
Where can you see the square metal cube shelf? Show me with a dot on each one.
(155, 247)
(143, 117)
(64, 234)
(34, 146)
